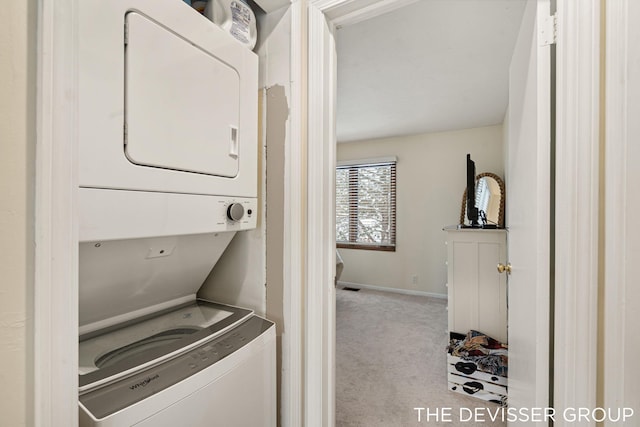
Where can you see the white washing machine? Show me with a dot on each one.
(199, 364)
(152, 354)
(168, 174)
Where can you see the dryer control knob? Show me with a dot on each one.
(235, 211)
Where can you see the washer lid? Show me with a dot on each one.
(182, 104)
(119, 350)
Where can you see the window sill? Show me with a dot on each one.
(383, 248)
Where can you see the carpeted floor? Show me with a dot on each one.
(391, 358)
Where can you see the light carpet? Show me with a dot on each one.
(391, 358)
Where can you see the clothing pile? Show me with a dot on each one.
(488, 354)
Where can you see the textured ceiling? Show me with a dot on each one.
(431, 66)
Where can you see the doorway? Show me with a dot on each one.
(425, 83)
(578, 64)
(578, 22)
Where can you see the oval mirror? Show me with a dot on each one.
(489, 201)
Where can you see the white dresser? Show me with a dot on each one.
(477, 301)
(477, 291)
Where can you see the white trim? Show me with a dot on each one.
(56, 265)
(294, 237)
(321, 160)
(371, 11)
(543, 336)
(616, 377)
(577, 186)
(393, 290)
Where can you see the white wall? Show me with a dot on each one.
(431, 174)
(17, 159)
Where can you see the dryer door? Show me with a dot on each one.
(181, 103)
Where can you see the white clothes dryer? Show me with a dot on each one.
(168, 111)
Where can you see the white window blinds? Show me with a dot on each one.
(366, 205)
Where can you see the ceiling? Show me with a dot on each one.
(431, 66)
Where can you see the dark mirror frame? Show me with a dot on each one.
(463, 207)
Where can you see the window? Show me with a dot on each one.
(366, 205)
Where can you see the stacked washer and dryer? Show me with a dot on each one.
(168, 174)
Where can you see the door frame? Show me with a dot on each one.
(324, 17)
(578, 117)
(620, 207)
(577, 211)
(55, 293)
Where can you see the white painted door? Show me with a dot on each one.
(622, 204)
(528, 213)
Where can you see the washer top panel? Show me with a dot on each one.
(122, 349)
(181, 103)
(105, 401)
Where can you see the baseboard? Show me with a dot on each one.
(392, 290)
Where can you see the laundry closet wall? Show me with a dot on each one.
(240, 276)
(17, 180)
(251, 273)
